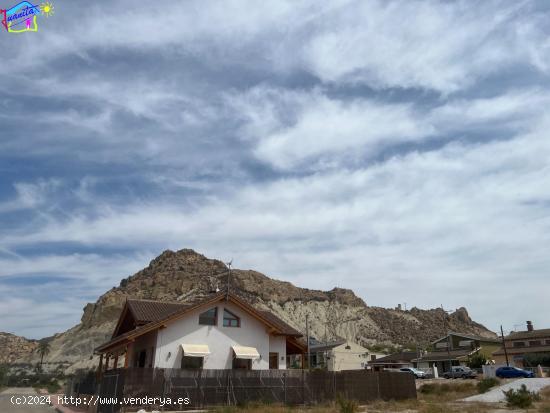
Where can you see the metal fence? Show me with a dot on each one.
(238, 387)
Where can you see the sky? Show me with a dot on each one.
(396, 148)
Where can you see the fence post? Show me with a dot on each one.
(334, 385)
(284, 385)
(303, 388)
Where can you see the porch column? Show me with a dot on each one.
(107, 362)
(115, 362)
(100, 366)
(127, 355)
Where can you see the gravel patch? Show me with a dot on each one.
(496, 394)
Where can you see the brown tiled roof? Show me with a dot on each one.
(526, 335)
(163, 314)
(145, 311)
(522, 350)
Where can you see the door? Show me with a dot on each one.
(273, 361)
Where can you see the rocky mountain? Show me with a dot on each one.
(186, 275)
(15, 348)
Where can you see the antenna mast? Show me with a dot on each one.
(228, 278)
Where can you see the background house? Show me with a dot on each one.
(394, 361)
(455, 349)
(220, 332)
(339, 355)
(525, 348)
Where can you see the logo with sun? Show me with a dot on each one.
(46, 8)
(22, 17)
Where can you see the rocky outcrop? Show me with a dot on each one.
(186, 275)
(15, 348)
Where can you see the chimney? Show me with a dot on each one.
(529, 326)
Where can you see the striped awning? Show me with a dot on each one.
(248, 353)
(195, 350)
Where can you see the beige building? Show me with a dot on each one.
(340, 355)
(456, 349)
(524, 347)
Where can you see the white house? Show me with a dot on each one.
(339, 355)
(220, 332)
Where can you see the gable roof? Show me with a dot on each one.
(444, 355)
(396, 358)
(469, 336)
(146, 311)
(161, 313)
(522, 350)
(542, 333)
(326, 346)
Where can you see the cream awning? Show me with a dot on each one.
(249, 353)
(195, 350)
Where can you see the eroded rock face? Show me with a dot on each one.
(187, 276)
(14, 347)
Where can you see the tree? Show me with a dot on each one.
(477, 361)
(43, 349)
(3, 375)
(534, 359)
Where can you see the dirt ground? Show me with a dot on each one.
(6, 404)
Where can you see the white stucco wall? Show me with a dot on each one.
(277, 344)
(354, 358)
(219, 339)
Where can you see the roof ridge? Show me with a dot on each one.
(154, 301)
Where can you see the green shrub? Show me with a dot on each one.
(53, 387)
(521, 398)
(485, 384)
(476, 361)
(347, 406)
(3, 374)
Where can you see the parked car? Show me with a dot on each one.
(460, 372)
(419, 374)
(512, 372)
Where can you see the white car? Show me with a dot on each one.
(419, 374)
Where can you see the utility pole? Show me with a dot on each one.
(504, 345)
(307, 338)
(448, 340)
(228, 279)
(326, 348)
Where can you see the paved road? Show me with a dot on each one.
(495, 395)
(7, 406)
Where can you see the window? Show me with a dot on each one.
(535, 343)
(242, 364)
(191, 362)
(273, 361)
(141, 358)
(209, 318)
(230, 319)
(519, 344)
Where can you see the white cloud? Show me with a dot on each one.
(443, 218)
(30, 195)
(326, 126)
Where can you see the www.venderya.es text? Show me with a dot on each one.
(97, 400)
